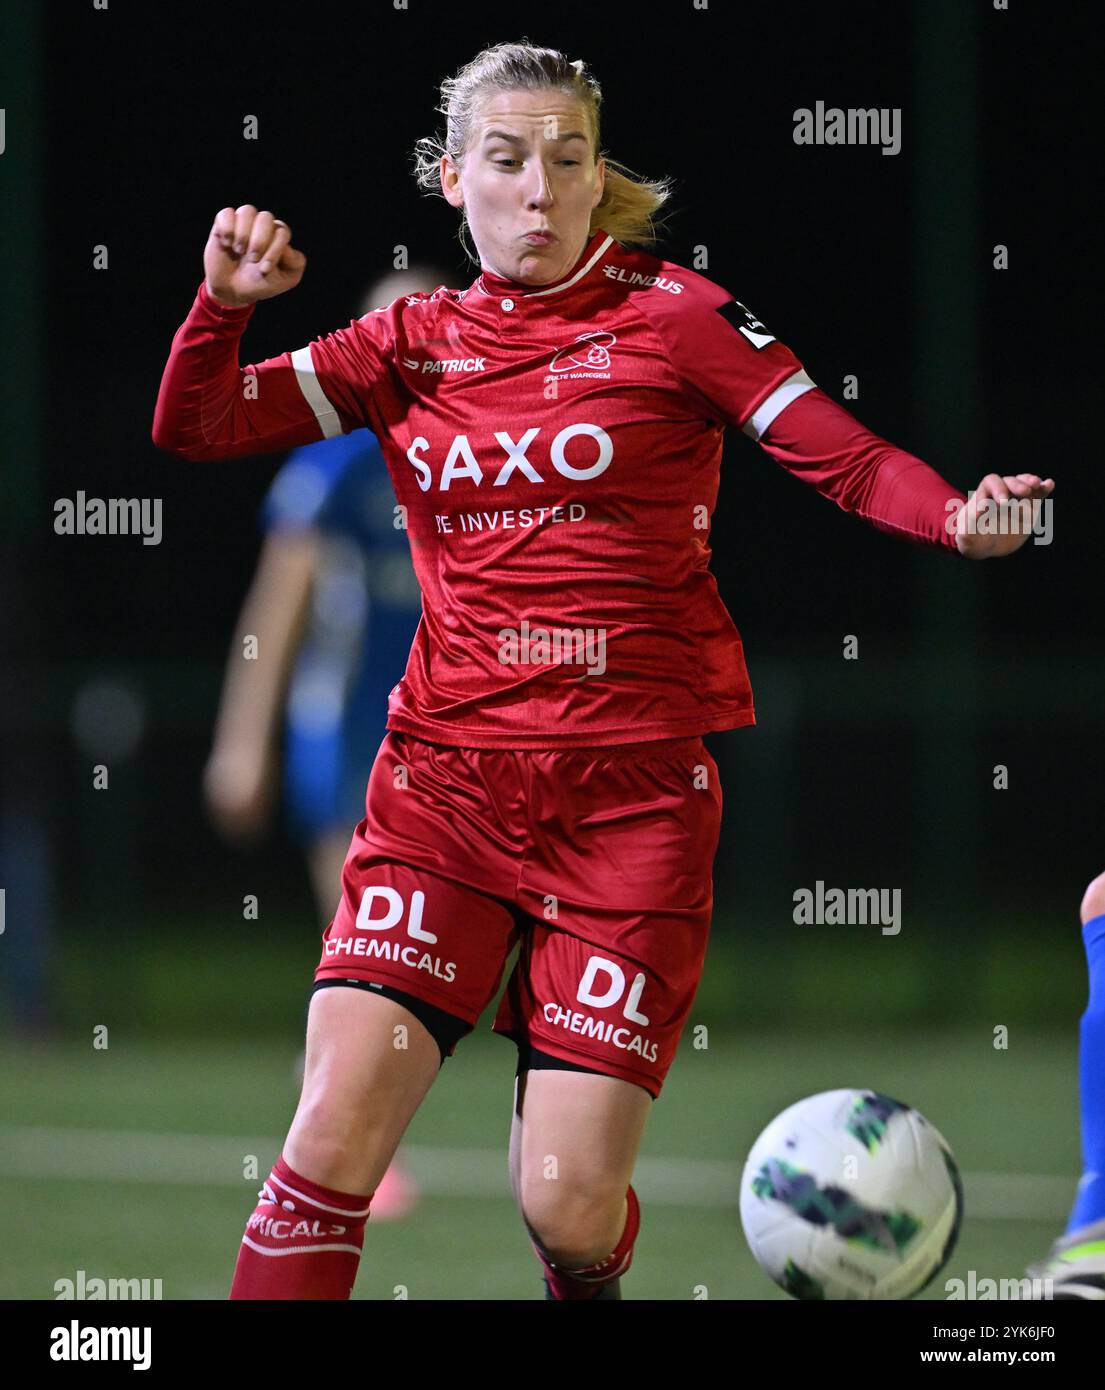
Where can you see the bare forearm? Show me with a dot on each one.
(266, 641)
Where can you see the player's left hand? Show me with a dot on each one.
(1001, 515)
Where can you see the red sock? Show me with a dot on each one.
(303, 1240)
(585, 1282)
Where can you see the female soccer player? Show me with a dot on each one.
(554, 434)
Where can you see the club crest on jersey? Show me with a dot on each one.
(589, 354)
(746, 323)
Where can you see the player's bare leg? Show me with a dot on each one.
(573, 1145)
(369, 1064)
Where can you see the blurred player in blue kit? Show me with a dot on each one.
(1076, 1262)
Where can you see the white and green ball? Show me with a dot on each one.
(851, 1194)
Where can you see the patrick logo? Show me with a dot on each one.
(587, 353)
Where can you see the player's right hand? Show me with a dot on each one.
(249, 256)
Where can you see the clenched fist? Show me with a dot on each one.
(249, 256)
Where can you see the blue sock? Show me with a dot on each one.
(1089, 1205)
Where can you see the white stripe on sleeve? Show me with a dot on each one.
(794, 386)
(325, 414)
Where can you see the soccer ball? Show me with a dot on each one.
(850, 1194)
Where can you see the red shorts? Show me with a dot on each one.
(597, 860)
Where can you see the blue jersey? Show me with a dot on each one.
(364, 610)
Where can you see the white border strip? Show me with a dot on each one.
(305, 374)
(600, 250)
(794, 386)
(312, 1201)
(300, 1249)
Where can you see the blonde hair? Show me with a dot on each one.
(629, 204)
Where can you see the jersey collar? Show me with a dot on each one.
(498, 287)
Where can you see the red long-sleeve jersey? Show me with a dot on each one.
(555, 454)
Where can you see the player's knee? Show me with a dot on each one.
(332, 1145)
(325, 1161)
(572, 1226)
(1093, 900)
